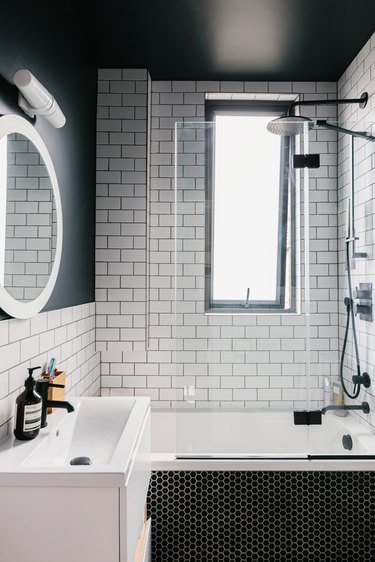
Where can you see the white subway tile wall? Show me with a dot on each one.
(207, 361)
(358, 78)
(68, 335)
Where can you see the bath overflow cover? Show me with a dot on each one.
(347, 442)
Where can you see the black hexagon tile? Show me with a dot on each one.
(262, 516)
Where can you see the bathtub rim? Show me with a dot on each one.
(168, 461)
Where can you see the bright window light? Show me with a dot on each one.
(250, 226)
(246, 209)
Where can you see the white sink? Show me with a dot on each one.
(106, 430)
(90, 512)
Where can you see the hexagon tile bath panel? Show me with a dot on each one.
(262, 516)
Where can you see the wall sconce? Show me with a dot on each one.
(34, 99)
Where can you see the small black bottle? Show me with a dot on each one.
(28, 410)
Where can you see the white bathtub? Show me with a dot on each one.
(257, 440)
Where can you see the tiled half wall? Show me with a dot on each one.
(67, 334)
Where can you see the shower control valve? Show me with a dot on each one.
(363, 293)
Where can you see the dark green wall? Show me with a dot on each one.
(51, 47)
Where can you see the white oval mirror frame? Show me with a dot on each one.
(15, 124)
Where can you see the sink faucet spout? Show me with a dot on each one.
(42, 386)
(59, 404)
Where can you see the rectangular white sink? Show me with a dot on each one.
(100, 507)
(103, 429)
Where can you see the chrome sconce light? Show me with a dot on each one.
(34, 99)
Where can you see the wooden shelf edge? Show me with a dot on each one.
(142, 542)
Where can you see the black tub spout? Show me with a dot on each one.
(364, 407)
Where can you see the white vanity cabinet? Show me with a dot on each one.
(80, 513)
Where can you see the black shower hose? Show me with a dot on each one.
(349, 316)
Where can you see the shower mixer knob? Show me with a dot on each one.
(362, 294)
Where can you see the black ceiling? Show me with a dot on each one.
(227, 39)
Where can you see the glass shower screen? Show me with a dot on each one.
(241, 313)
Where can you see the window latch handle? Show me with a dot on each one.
(247, 305)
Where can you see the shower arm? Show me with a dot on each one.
(323, 123)
(362, 101)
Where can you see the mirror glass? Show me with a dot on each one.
(30, 219)
(30, 224)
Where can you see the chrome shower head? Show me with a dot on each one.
(289, 126)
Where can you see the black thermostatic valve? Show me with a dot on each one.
(306, 160)
(305, 417)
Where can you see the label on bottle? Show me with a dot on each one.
(32, 417)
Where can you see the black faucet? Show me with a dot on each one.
(364, 407)
(41, 387)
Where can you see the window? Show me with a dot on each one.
(249, 212)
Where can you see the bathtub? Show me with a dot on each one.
(257, 440)
(250, 485)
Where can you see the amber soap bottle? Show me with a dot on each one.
(28, 410)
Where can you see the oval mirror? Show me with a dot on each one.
(30, 219)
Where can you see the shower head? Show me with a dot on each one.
(289, 126)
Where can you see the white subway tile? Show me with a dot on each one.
(29, 348)
(46, 341)
(19, 329)
(4, 332)
(4, 377)
(109, 74)
(134, 74)
(232, 382)
(220, 394)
